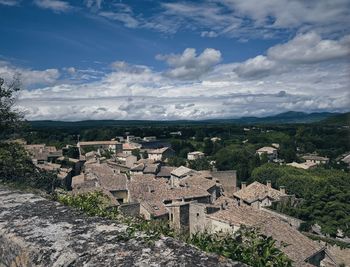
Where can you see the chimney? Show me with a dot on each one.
(283, 189)
(243, 185)
(268, 183)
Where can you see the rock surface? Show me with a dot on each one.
(37, 232)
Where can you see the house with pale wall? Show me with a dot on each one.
(133, 139)
(271, 152)
(160, 154)
(313, 158)
(259, 195)
(128, 148)
(113, 146)
(195, 155)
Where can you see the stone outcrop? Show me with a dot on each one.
(35, 231)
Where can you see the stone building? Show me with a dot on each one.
(313, 158)
(271, 152)
(180, 173)
(129, 148)
(160, 154)
(258, 195)
(113, 146)
(160, 200)
(126, 159)
(41, 153)
(228, 181)
(97, 177)
(227, 216)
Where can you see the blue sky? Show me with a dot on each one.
(99, 59)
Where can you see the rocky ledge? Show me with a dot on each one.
(35, 231)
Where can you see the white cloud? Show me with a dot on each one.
(209, 34)
(310, 48)
(134, 92)
(29, 77)
(54, 5)
(190, 66)
(10, 2)
(322, 15)
(127, 19)
(257, 67)
(238, 19)
(94, 3)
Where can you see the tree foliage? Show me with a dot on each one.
(325, 194)
(9, 117)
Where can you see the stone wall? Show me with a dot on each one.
(37, 232)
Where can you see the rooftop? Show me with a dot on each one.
(257, 191)
(181, 171)
(158, 151)
(147, 188)
(314, 157)
(165, 171)
(267, 149)
(196, 153)
(294, 244)
(106, 177)
(95, 143)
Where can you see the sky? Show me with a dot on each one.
(175, 60)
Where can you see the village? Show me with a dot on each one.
(135, 174)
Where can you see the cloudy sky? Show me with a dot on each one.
(166, 60)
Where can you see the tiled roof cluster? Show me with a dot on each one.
(107, 177)
(42, 152)
(156, 191)
(257, 191)
(158, 151)
(181, 171)
(293, 243)
(165, 171)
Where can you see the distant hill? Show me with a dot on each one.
(282, 118)
(339, 119)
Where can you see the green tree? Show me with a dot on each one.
(136, 152)
(10, 117)
(15, 164)
(176, 161)
(199, 164)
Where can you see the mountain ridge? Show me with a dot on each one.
(281, 118)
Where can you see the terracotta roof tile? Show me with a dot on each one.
(258, 191)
